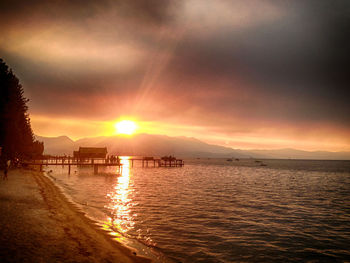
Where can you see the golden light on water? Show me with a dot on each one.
(120, 200)
(125, 127)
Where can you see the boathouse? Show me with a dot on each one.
(90, 153)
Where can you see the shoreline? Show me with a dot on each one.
(136, 246)
(39, 224)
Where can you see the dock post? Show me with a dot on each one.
(132, 163)
(95, 169)
(68, 168)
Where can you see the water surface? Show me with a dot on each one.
(213, 210)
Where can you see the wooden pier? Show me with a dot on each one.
(98, 162)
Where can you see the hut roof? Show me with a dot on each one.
(93, 150)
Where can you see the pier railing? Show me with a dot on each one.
(98, 162)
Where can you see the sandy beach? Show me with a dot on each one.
(38, 224)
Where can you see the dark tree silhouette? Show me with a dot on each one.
(16, 135)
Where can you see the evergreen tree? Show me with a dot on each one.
(16, 135)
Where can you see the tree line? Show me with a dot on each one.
(16, 136)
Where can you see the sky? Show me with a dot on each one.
(254, 74)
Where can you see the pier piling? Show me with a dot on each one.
(61, 160)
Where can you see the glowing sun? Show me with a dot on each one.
(125, 127)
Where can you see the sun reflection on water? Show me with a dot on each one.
(120, 201)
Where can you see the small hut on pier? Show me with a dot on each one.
(90, 153)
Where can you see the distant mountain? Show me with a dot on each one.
(141, 144)
(159, 145)
(299, 154)
(57, 145)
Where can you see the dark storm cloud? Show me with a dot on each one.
(93, 24)
(58, 91)
(301, 59)
(152, 11)
(293, 68)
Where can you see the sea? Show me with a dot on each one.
(220, 210)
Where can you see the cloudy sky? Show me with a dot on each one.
(247, 74)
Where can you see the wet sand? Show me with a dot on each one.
(38, 224)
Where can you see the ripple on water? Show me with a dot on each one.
(225, 213)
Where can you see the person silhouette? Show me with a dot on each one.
(6, 166)
(5, 174)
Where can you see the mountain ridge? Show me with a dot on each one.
(180, 146)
